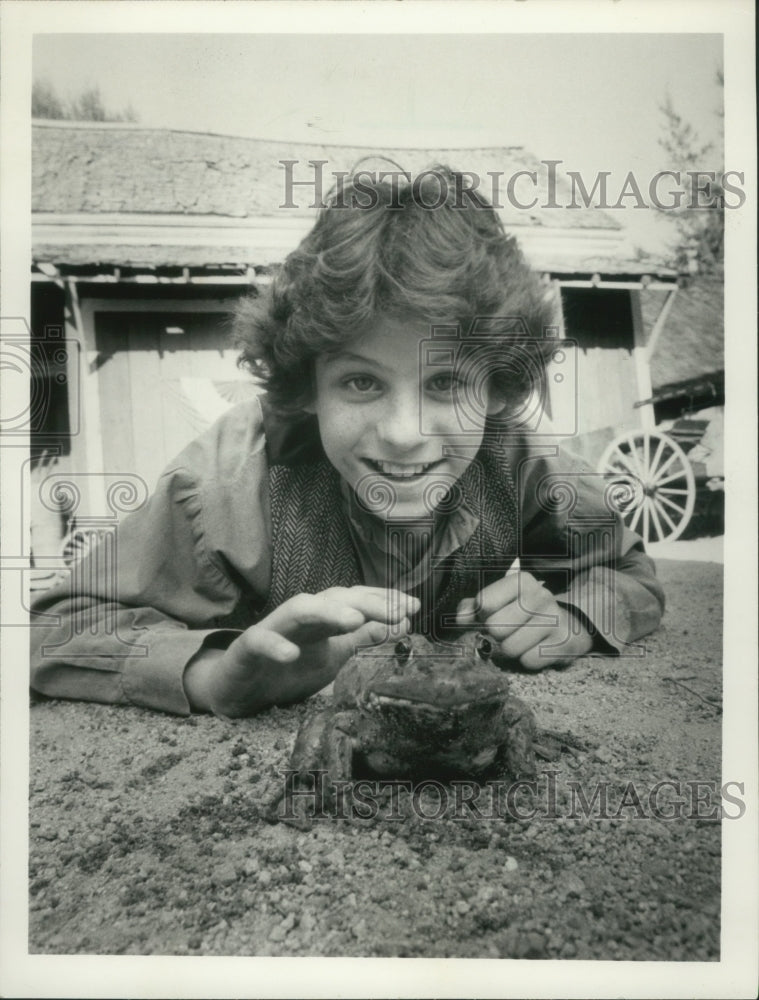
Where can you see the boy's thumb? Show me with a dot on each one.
(372, 633)
(467, 608)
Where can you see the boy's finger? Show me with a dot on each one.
(320, 616)
(372, 633)
(379, 592)
(534, 660)
(525, 640)
(467, 610)
(360, 591)
(497, 595)
(507, 621)
(489, 601)
(258, 641)
(384, 605)
(310, 617)
(386, 631)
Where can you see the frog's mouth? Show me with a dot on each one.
(450, 736)
(445, 701)
(440, 764)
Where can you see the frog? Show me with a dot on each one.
(419, 708)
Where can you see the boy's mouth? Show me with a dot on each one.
(398, 470)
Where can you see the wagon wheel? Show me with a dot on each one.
(659, 483)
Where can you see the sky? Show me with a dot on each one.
(590, 101)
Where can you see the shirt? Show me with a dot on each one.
(132, 615)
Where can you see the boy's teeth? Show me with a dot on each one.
(391, 469)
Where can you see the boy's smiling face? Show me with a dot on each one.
(369, 401)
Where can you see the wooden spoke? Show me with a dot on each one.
(671, 479)
(646, 523)
(657, 456)
(655, 518)
(670, 503)
(662, 469)
(670, 523)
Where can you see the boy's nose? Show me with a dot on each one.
(399, 425)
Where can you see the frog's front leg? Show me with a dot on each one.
(323, 754)
(306, 756)
(338, 755)
(517, 753)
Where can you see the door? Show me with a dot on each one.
(163, 379)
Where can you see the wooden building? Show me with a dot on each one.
(144, 238)
(688, 362)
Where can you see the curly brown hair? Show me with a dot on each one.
(429, 250)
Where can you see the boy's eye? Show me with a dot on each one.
(446, 382)
(361, 383)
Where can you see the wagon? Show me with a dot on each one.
(647, 408)
(666, 474)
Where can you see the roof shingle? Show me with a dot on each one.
(692, 342)
(91, 168)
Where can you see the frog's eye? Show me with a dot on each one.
(403, 649)
(484, 647)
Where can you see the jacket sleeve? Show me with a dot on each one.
(577, 544)
(136, 609)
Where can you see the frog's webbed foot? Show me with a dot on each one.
(295, 813)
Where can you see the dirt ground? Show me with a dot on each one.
(148, 834)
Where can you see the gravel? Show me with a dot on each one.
(149, 833)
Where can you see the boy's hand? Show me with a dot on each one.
(296, 650)
(526, 621)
